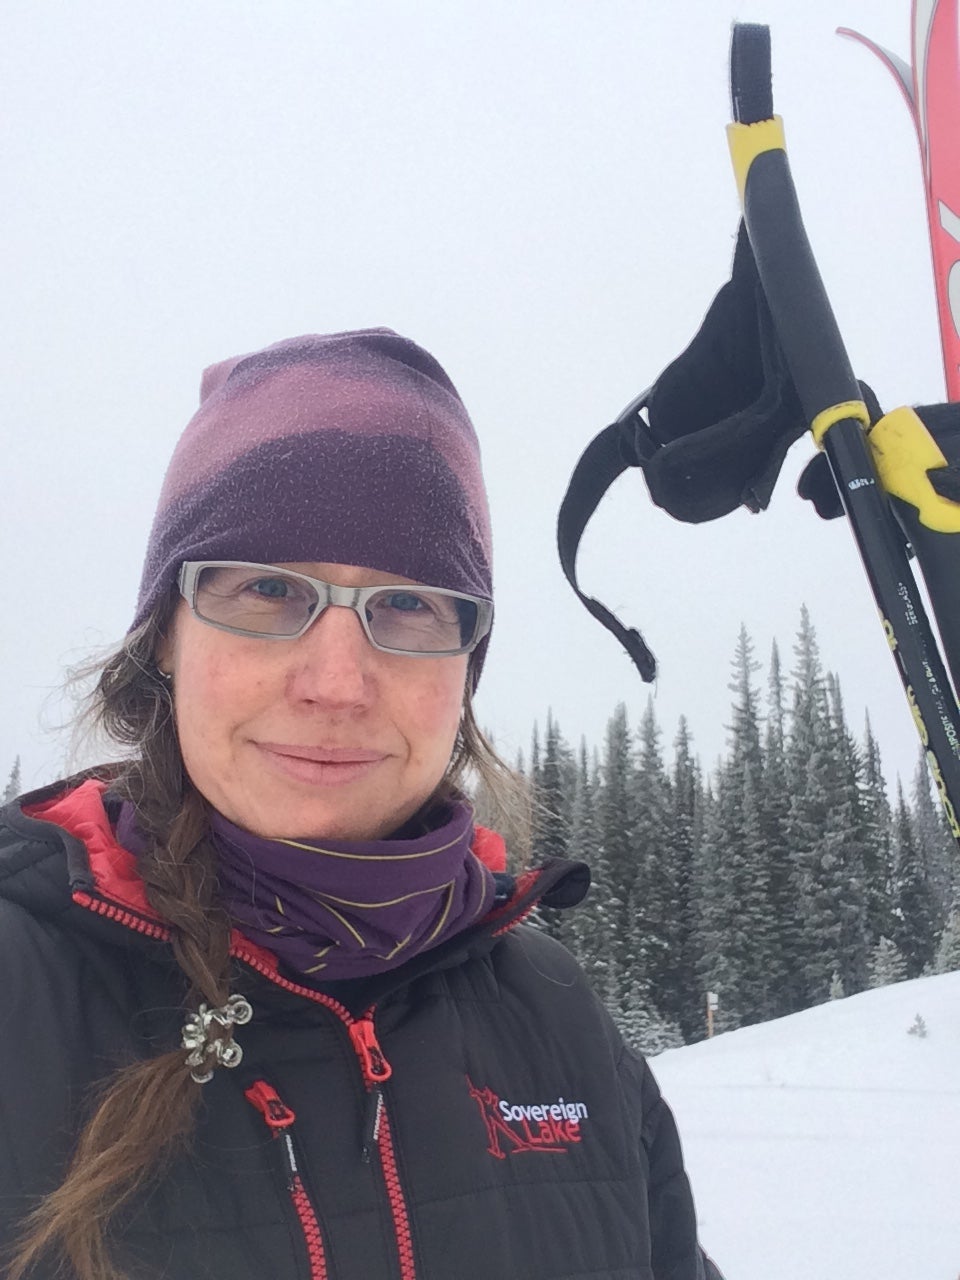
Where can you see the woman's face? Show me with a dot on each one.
(322, 736)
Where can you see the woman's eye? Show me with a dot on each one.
(405, 601)
(270, 588)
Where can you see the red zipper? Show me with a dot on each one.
(151, 928)
(375, 1070)
(373, 1065)
(279, 1119)
(398, 1205)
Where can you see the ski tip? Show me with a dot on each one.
(901, 70)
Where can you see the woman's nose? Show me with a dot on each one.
(332, 662)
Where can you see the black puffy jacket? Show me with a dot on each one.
(481, 1121)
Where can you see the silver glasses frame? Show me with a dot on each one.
(329, 593)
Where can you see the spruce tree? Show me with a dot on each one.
(616, 829)
(556, 776)
(826, 828)
(913, 928)
(937, 849)
(653, 925)
(591, 927)
(715, 969)
(887, 965)
(550, 780)
(878, 855)
(786, 988)
(808, 769)
(738, 928)
(639, 1020)
(533, 773)
(849, 824)
(686, 825)
(750, 931)
(947, 959)
(14, 785)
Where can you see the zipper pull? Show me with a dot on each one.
(375, 1067)
(267, 1101)
(279, 1119)
(371, 1124)
(289, 1159)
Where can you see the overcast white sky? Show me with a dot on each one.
(537, 191)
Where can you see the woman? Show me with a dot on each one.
(269, 1007)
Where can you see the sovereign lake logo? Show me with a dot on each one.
(513, 1127)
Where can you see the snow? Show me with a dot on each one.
(826, 1145)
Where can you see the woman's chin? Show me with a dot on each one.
(285, 813)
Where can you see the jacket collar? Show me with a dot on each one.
(103, 877)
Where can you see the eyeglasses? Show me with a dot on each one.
(278, 604)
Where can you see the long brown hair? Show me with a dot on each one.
(144, 1114)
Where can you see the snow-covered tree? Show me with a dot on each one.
(14, 785)
(878, 855)
(936, 847)
(553, 797)
(715, 968)
(826, 827)
(783, 892)
(808, 783)
(738, 928)
(947, 959)
(641, 1024)
(887, 965)
(653, 902)
(592, 924)
(616, 829)
(914, 913)
(850, 826)
(686, 826)
(774, 880)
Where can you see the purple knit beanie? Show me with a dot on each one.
(348, 448)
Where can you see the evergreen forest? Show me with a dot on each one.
(785, 877)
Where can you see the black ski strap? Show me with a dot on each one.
(709, 435)
(751, 81)
(605, 458)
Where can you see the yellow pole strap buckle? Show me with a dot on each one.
(904, 452)
(826, 418)
(747, 141)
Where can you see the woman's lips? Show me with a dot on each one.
(321, 766)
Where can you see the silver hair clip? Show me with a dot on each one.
(200, 1037)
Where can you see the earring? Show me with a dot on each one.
(165, 676)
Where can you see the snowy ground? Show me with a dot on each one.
(826, 1145)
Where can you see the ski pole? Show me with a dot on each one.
(915, 452)
(830, 397)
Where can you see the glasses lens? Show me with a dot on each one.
(250, 598)
(416, 620)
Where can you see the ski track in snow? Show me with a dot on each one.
(826, 1145)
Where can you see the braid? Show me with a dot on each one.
(145, 1113)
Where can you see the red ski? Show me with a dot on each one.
(931, 87)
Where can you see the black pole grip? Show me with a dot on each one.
(804, 319)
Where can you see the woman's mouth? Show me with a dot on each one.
(321, 766)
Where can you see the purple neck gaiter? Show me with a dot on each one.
(331, 909)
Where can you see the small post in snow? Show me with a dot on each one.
(713, 1004)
